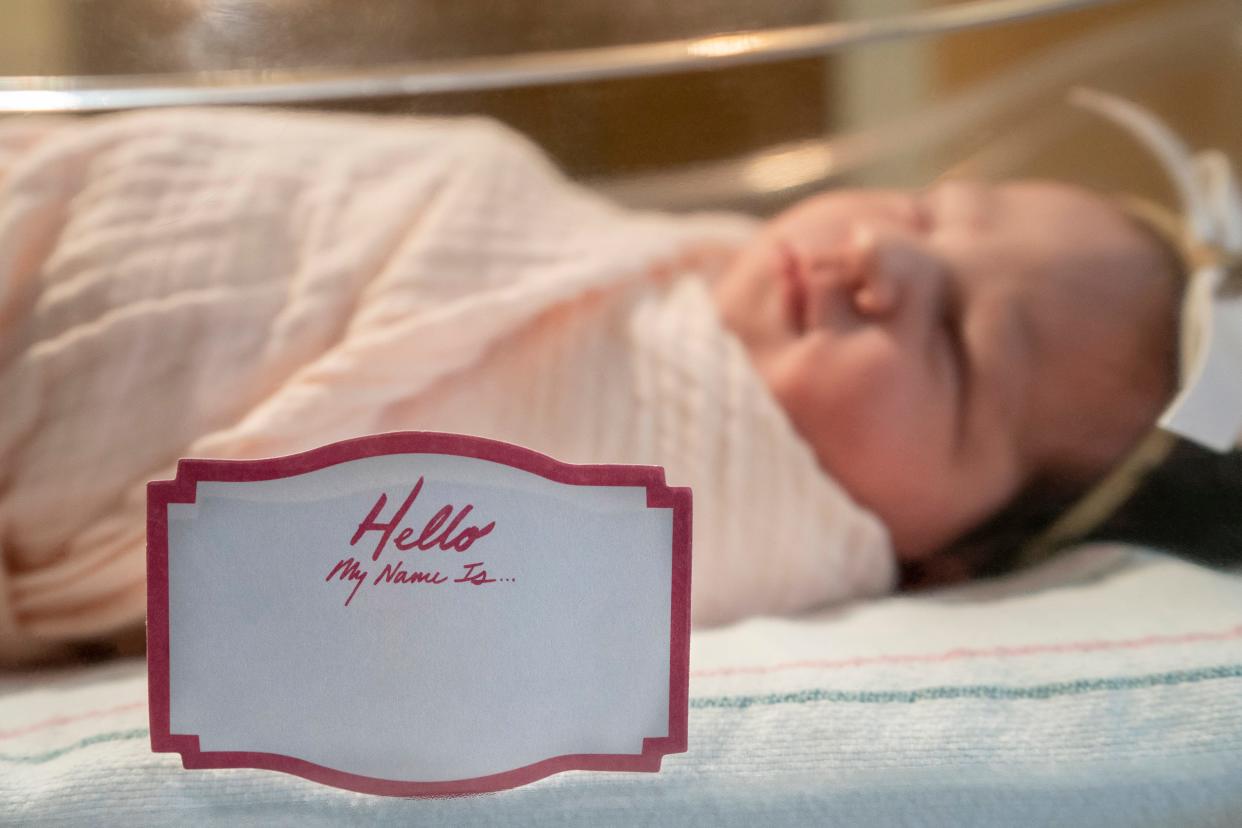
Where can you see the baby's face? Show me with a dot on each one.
(938, 349)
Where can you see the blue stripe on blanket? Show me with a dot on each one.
(975, 691)
(817, 695)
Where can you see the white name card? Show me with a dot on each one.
(418, 614)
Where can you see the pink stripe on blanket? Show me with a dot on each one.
(986, 652)
(57, 721)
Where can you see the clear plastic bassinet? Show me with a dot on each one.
(1104, 687)
(720, 103)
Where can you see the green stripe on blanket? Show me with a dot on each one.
(98, 738)
(975, 691)
(816, 695)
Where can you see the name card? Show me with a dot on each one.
(418, 614)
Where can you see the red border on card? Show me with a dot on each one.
(160, 493)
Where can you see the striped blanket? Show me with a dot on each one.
(1104, 688)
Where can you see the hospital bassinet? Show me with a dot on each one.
(1103, 688)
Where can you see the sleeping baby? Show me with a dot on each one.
(853, 386)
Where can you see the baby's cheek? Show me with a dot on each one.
(838, 394)
(870, 423)
(867, 387)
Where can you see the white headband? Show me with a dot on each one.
(1208, 407)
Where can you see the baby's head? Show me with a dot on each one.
(944, 350)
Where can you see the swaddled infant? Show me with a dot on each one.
(949, 351)
(858, 382)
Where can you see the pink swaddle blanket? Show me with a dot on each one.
(246, 284)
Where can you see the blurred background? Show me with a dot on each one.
(680, 105)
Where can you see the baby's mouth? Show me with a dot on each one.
(795, 288)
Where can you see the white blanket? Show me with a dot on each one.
(1102, 689)
(244, 284)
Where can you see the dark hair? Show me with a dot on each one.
(1189, 506)
(996, 545)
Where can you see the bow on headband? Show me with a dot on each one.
(1208, 407)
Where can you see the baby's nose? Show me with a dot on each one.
(875, 275)
(897, 282)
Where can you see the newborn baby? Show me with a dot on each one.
(945, 350)
(860, 381)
